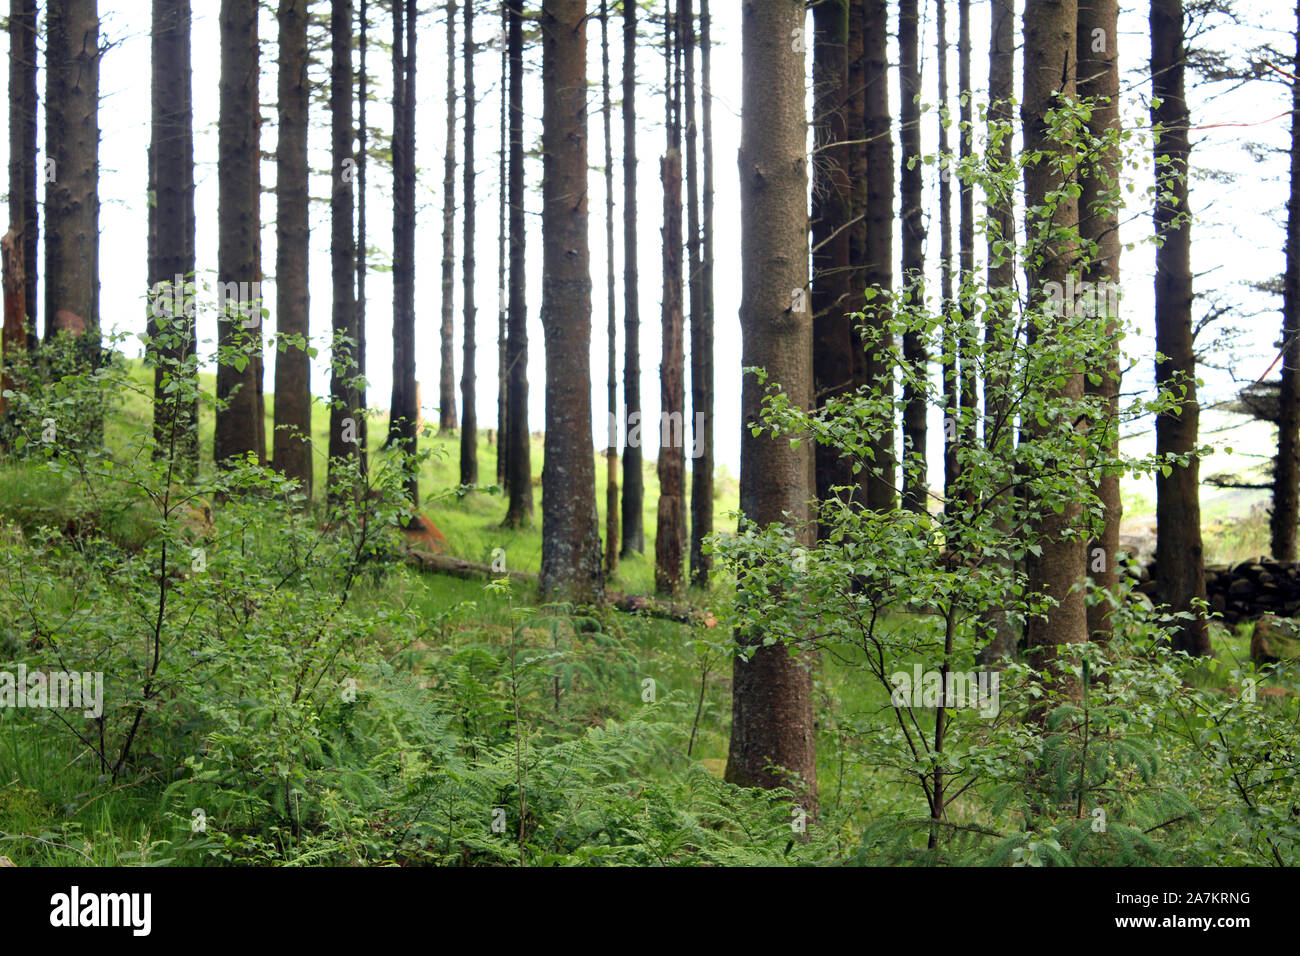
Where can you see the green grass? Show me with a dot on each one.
(471, 523)
(56, 809)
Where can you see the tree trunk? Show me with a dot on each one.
(1180, 567)
(670, 529)
(171, 226)
(702, 372)
(633, 480)
(1098, 57)
(999, 417)
(447, 332)
(345, 413)
(1050, 42)
(672, 394)
(503, 425)
(832, 211)
(966, 343)
(291, 441)
(241, 429)
(701, 353)
(24, 215)
(915, 489)
(874, 367)
(468, 377)
(12, 338)
(772, 733)
(571, 564)
(72, 179)
(362, 261)
(22, 159)
(1286, 469)
(404, 406)
(520, 479)
(611, 316)
(949, 363)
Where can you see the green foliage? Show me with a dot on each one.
(273, 695)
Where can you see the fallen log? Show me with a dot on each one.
(629, 603)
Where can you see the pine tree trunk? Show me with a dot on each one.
(966, 345)
(468, 375)
(1099, 223)
(702, 362)
(1049, 30)
(670, 516)
(999, 417)
(345, 415)
(22, 164)
(874, 367)
(503, 425)
(24, 214)
(571, 563)
(772, 715)
(1180, 567)
(291, 440)
(241, 429)
(171, 223)
(404, 410)
(12, 338)
(520, 479)
(611, 316)
(701, 358)
(362, 260)
(1286, 469)
(671, 466)
(832, 211)
(72, 181)
(447, 332)
(915, 490)
(633, 479)
(951, 396)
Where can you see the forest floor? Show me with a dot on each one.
(55, 808)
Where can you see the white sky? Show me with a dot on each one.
(1237, 237)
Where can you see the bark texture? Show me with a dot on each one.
(1049, 29)
(772, 733)
(291, 441)
(915, 353)
(171, 221)
(633, 480)
(876, 368)
(447, 331)
(72, 169)
(346, 435)
(1180, 564)
(404, 404)
(571, 562)
(1286, 467)
(23, 215)
(611, 304)
(241, 427)
(520, 479)
(468, 377)
(1099, 225)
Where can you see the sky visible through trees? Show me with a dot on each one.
(1240, 222)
